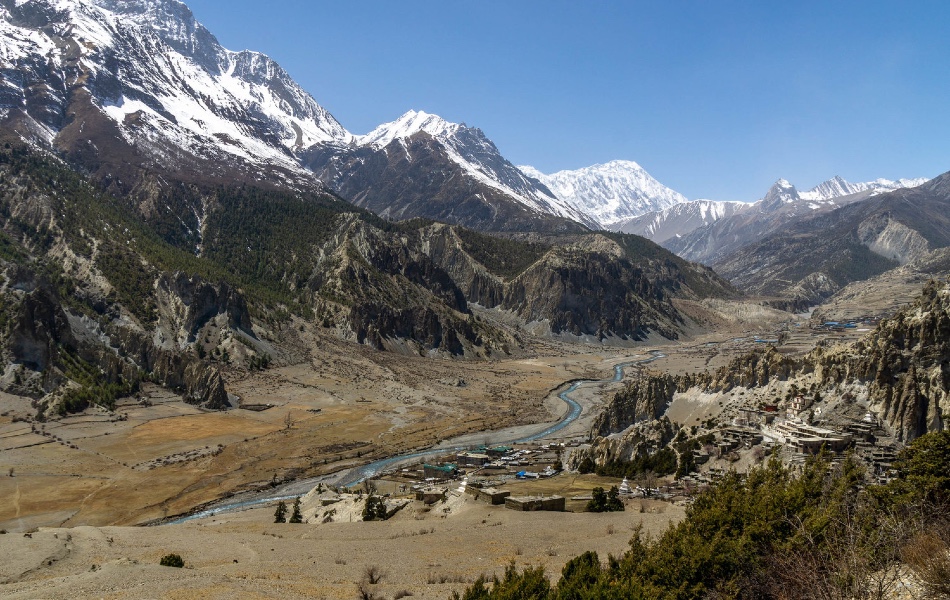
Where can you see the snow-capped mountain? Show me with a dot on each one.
(679, 219)
(476, 155)
(836, 191)
(421, 165)
(781, 205)
(162, 82)
(837, 187)
(609, 193)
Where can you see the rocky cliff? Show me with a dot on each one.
(905, 364)
(645, 398)
(900, 372)
(51, 352)
(635, 443)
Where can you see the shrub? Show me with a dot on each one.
(172, 560)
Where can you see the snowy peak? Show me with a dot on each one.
(475, 154)
(679, 219)
(165, 82)
(833, 188)
(837, 187)
(783, 193)
(609, 193)
(174, 23)
(406, 126)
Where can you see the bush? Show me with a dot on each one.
(375, 509)
(172, 560)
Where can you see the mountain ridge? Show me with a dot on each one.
(809, 259)
(609, 192)
(781, 204)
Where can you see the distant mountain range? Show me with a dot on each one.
(142, 98)
(809, 257)
(138, 93)
(610, 193)
(782, 201)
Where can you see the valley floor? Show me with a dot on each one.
(427, 552)
(157, 457)
(69, 487)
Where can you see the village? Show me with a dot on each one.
(531, 477)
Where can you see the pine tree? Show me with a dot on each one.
(280, 515)
(296, 517)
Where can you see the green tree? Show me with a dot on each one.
(375, 509)
(923, 475)
(587, 465)
(280, 515)
(530, 584)
(605, 501)
(296, 517)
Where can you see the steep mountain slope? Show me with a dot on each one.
(781, 205)
(122, 86)
(679, 219)
(143, 97)
(609, 193)
(93, 299)
(423, 166)
(636, 282)
(886, 293)
(810, 259)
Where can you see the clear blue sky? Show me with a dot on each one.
(716, 99)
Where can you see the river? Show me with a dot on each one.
(357, 475)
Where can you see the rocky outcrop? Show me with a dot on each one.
(197, 381)
(905, 363)
(40, 328)
(750, 370)
(901, 371)
(45, 346)
(186, 304)
(639, 441)
(645, 398)
(888, 237)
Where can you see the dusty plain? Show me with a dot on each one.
(72, 485)
(423, 551)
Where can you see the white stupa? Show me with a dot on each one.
(625, 487)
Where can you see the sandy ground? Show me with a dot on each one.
(77, 479)
(428, 552)
(346, 405)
